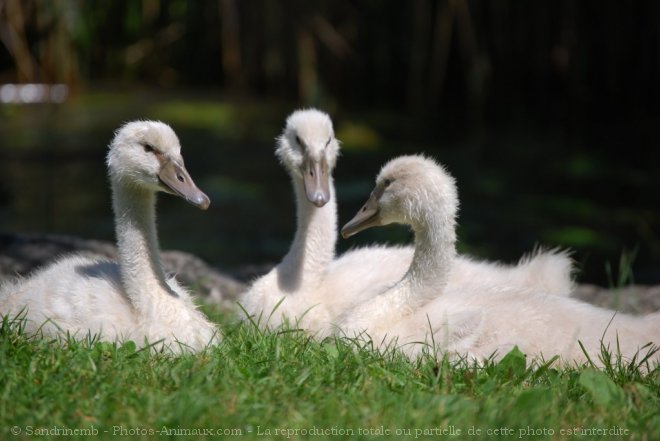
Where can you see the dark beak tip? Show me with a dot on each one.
(346, 231)
(202, 201)
(319, 200)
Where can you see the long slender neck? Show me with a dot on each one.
(435, 251)
(313, 246)
(139, 257)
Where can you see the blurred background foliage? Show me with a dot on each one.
(546, 112)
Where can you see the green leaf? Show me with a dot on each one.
(128, 347)
(601, 388)
(331, 349)
(513, 365)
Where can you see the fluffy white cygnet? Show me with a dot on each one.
(131, 299)
(463, 317)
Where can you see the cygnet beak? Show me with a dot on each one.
(316, 181)
(176, 180)
(367, 217)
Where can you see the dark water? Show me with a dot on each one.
(519, 186)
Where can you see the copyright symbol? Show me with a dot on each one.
(15, 430)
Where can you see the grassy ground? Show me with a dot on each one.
(285, 386)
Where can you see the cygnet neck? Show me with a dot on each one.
(139, 256)
(435, 251)
(313, 246)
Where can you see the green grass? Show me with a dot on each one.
(256, 383)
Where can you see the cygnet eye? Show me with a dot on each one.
(300, 143)
(386, 183)
(148, 147)
(328, 143)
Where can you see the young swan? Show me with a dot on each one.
(415, 191)
(130, 299)
(431, 305)
(308, 150)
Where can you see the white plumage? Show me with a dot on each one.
(464, 314)
(310, 288)
(131, 299)
(292, 291)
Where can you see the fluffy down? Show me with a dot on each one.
(131, 299)
(469, 308)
